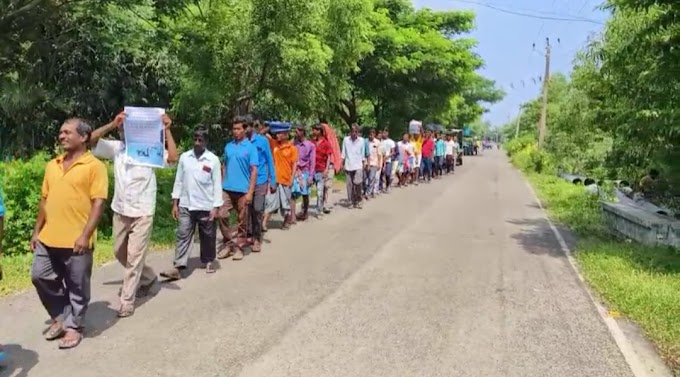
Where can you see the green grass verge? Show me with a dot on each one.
(17, 268)
(640, 282)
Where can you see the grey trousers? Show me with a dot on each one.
(62, 280)
(207, 233)
(256, 211)
(355, 181)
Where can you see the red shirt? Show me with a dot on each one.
(323, 152)
(428, 148)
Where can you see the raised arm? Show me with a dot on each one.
(173, 155)
(104, 130)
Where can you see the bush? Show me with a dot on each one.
(21, 186)
(570, 204)
(517, 144)
(532, 160)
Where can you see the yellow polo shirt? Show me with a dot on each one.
(68, 198)
(418, 145)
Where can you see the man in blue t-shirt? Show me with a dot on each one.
(266, 181)
(240, 176)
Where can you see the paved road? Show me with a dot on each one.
(461, 277)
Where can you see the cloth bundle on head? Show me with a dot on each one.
(414, 127)
(276, 126)
(329, 134)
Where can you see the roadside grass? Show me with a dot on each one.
(640, 282)
(17, 268)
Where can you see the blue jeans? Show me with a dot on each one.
(320, 188)
(387, 174)
(427, 167)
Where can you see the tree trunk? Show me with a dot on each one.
(347, 109)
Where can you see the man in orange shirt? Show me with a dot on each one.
(285, 163)
(74, 192)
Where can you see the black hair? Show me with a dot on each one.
(653, 172)
(202, 132)
(319, 127)
(246, 120)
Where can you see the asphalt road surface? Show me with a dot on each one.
(459, 277)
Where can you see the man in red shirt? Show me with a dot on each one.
(428, 154)
(324, 153)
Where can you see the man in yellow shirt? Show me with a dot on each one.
(417, 141)
(74, 192)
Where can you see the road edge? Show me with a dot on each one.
(623, 342)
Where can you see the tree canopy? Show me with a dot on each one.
(617, 115)
(375, 62)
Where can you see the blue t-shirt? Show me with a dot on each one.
(2, 205)
(265, 168)
(440, 148)
(238, 159)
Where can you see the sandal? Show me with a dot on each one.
(55, 331)
(171, 274)
(225, 252)
(71, 339)
(238, 255)
(126, 311)
(209, 268)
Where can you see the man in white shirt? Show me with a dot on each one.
(374, 164)
(406, 159)
(388, 145)
(197, 196)
(451, 148)
(133, 205)
(354, 161)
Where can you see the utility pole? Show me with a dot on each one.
(544, 109)
(519, 117)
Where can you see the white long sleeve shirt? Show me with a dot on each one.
(198, 182)
(353, 153)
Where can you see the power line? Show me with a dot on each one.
(568, 18)
(585, 4)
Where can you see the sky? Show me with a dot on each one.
(505, 43)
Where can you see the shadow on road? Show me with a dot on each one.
(100, 317)
(536, 237)
(19, 361)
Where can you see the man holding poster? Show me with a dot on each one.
(134, 199)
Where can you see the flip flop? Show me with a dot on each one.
(55, 331)
(126, 311)
(65, 343)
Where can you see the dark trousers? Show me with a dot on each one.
(238, 200)
(62, 279)
(256, 212)
(427, 167)
(450, 163)
(355, 182)
(439, 165)
(207, 232)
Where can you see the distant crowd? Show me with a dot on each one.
(261, 172)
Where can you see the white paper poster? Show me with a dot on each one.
(144, 135)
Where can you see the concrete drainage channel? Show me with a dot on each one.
(632, 216)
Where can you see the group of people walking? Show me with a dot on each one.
(373, 164)
(261, 172)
